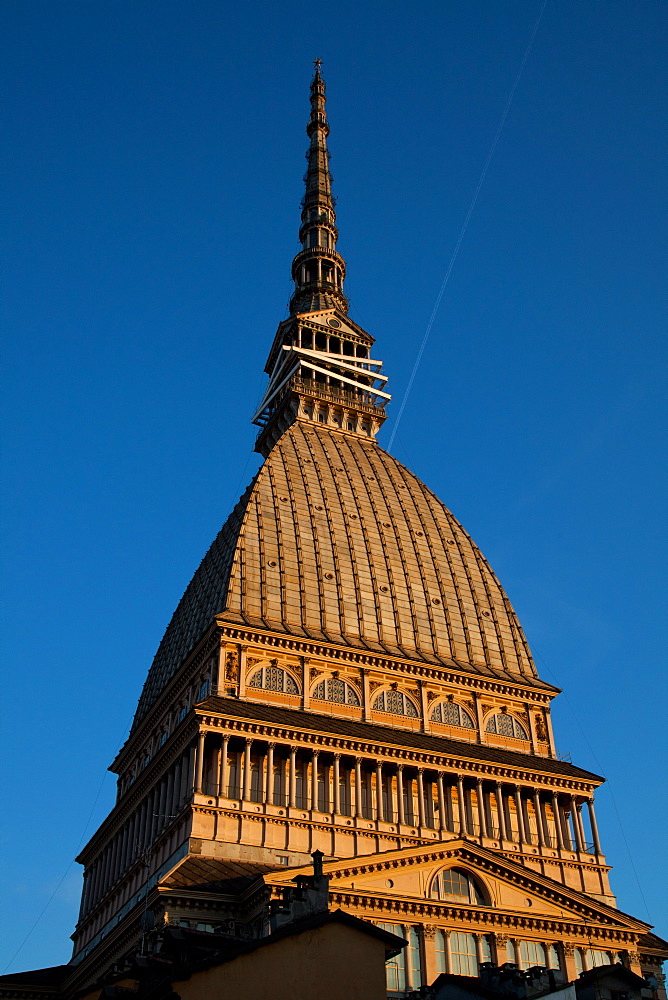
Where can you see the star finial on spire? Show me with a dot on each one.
(317, 63)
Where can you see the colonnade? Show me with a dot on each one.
(153, 813)
(343, 784)
(367, 788)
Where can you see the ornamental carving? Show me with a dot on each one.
(415, 693)
(430, 698)
(429, 931)
(373, 685)
(633, 957)
(541, 731)
(231, 666)
(313, 673)
(569, 949)
(501, 940)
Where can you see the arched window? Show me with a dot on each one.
(506, 725)
(456, 885)
(336, 690)
(451, 714)
(274, 679)
(396, 703)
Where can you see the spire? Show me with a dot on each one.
(318, 269)
(320, 366)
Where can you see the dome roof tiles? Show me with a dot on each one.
(336, 540)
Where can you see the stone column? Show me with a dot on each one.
(482, 819)
(161, 818)
(306, 682)
(532, 728)
(269, 775)
(448, 952)
(539, 818)
(420, 788)
(245, 794)
(548, 720)
(556, 813)
(502, 819)
(478, 716)
(380, 815)
(366, 699)
(521, 832)
(293, 778)
(442, 814)
(594, 827)
(463, 826)
(242, 671)
(501, 948)
(400, 794)
(337, 783)
(579, 845)
(424, 707)
(314, 780)
(568, 956)
(169, 795)
(222, 773)
(200, 761)
(358, 787)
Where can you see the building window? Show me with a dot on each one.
(451, 714)
(463, 954)
(183, 711)
(414, 959)
(395, 968)
(204, 689)
(274, 679)
(147, 760)
(506, 725)
(440, 946)
(455, 885)
(336, 690)
(590, 958)
(396, 703)
(163, 738)
(532, 953)
(283, 859)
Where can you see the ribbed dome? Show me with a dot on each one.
(336, 540)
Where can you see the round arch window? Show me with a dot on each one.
(454, 885)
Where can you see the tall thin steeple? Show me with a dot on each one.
(320, 366)
(318, 269)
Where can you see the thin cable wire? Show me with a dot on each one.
(462, 233)
(67, 870)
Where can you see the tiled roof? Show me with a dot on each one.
(38, 979)
(369, 733)
(335, 540)
(214, 875)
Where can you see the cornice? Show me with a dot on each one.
(389, 753)
(122, 810)
(490, 919)
(443, 673)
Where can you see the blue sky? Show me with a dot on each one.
(153, 176)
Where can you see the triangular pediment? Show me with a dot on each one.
(336, 323)
(412, 875)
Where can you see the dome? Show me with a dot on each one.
(335, 540)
